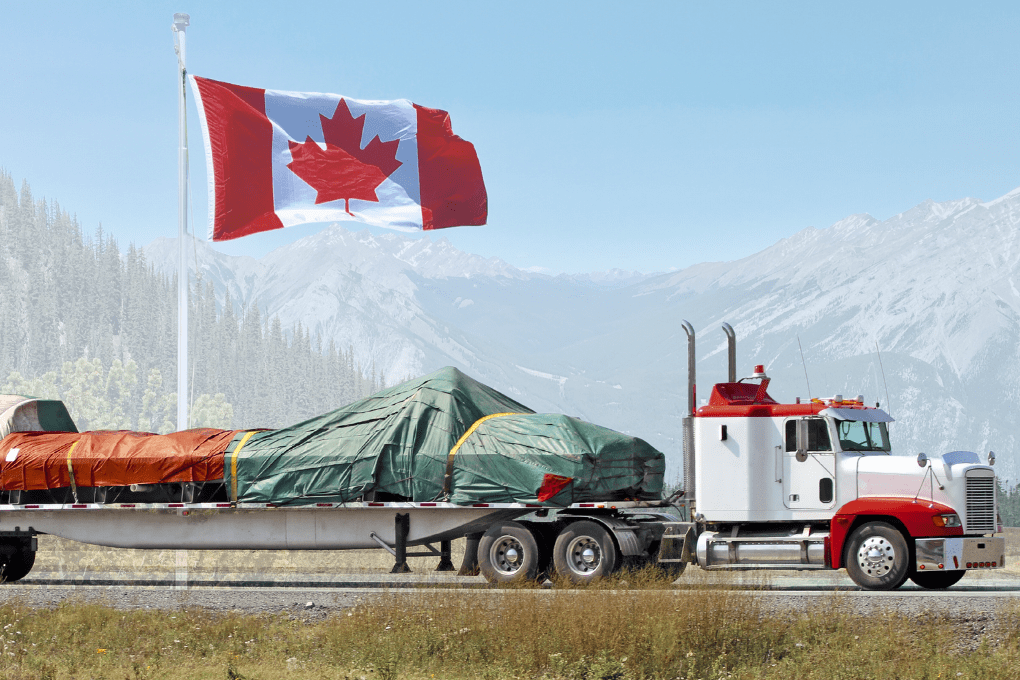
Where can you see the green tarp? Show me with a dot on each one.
(396, 445)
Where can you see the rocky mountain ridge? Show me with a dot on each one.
(928, 297)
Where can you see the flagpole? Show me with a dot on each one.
(181, 22)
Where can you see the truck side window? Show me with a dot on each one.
(818, 435)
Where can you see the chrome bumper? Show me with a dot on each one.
(947, 554)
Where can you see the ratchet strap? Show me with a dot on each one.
(70, 470)
(448, 478)
(233, 464)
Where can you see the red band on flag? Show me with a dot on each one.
(552, 485)
(240, 138)
(452, 191)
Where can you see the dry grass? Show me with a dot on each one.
(635, 626)
(1012, 541)
(642, 630)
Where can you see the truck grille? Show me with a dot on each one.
(980, 505)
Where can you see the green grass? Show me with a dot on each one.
(637, 627)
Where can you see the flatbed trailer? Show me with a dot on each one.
(506, 541)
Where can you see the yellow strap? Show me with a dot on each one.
(233, 465)
(463, 438)
(70, 470)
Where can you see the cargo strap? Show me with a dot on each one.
(448, 478)
(70, 471)
(233, 464)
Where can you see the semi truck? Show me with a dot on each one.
(810, 485)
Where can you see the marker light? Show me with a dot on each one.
(947, 520)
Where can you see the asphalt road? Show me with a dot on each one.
(311, 596)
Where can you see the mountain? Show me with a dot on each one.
(924, 306)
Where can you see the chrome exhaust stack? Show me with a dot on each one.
(731, 351)
(688, 421)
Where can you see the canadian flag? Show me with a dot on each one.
(277, 159)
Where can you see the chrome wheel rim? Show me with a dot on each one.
(584, 555)
(507, 555)
(876, 556)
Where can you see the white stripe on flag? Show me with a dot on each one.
(295, 117)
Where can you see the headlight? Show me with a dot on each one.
(950, 520)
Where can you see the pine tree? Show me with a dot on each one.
(82, 323)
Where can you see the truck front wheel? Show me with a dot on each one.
(877, 557)
(937, 580)
(508, 553)
(584, 553)
(16, 560)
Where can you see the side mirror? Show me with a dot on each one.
(991, 457)
(922, 459)
(802, 440)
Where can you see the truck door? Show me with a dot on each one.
(809, 484)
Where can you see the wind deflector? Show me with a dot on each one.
(862, 415)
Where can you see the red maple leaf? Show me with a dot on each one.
(343, 169)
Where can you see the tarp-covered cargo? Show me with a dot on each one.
(552, 459)
(51, 460)
(402, 442)
(442, 437)
(393, 444)
(26, 414)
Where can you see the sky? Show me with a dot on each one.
(641, 136)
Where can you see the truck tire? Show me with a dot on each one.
(545, 535)
(508, 553)
(937, 580)
(16, 560)
(877, 557)
(584, 553)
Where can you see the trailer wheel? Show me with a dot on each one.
(584, 552)
(877, 557)
(937, 580)
(508, 553)
(16, 560)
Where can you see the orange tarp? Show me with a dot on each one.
(38, 460)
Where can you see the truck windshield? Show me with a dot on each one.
(857, 436)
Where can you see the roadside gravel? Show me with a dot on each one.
(307, 605)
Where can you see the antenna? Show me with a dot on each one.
(805, 368)
(888, 401)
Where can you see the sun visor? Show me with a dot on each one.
(863, 415)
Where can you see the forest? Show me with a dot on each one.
(85, 322)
